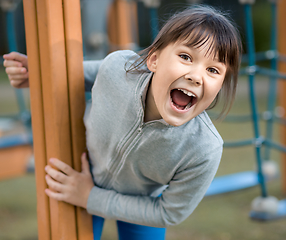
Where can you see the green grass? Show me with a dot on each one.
(3, 76)
(221, 217)
(18, 209)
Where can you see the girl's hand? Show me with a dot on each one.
(67, 184)
(16, 65)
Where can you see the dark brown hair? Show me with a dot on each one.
(197, 26)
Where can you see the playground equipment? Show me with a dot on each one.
(153, 11)
(53, 29)
(282, 84)
(15, 150)
(122, 25)
(107, 26)
(267, 169)
(264, 207)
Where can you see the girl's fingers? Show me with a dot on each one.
(55, 174)
(12, 63)
(55, 195)
(19, 77)
(84, 164)
(15, 56)
(66, 169)
(15, 70)
(56, 186)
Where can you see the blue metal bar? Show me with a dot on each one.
(16, 140)
(271, 144)
(241, 143)
(251, 62)
(232, 182)
(272, 81)
(154, 22)
(271, 73)
(262, 71)
(280, 120)
(261, 56)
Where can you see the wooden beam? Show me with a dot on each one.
(74, 56)
(55, 102)
(54, 47)
(36, 99)
(14, 161)
(282, 84)
(121, 24)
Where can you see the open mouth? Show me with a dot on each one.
(182, 99)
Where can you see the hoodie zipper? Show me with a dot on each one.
(120, 157)
(122, 153)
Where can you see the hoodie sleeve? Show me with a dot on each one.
(90, 71)
(186, 189)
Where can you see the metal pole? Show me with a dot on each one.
(251, 78)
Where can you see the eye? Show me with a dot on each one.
(186, 57)
(213, 70)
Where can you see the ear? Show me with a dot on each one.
(152, 62)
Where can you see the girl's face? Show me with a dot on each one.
(186, 80)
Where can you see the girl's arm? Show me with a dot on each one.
(90, 71)
(16, 67)
(176, 203)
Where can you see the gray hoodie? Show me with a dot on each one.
(133, 161)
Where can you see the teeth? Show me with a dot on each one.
(187, 93)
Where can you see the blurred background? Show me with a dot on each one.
(223, 214)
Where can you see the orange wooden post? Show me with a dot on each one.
(74, 56)
(54, 45)
(120, 24)
(282, 68)
(14, 161)
(36, 98)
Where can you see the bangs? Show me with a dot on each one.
(217, 43)
(204, 39)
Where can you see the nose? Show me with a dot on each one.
(195, 78)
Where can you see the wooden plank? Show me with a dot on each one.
(112, 29)
(124, 26)
(74, 53)
(282, 84)
(134, 22)
(14, 161)
(120, 25)
(54, 45)
(56, 111)
(32, 42)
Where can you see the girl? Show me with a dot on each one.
(152, 147)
